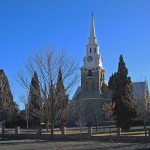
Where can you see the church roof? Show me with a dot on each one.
(1, 71)
(78, 90)
(139, 90)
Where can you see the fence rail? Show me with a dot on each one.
(75, 131)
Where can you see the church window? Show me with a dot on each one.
(86, 86)
(90, 50)
(102, 76)
(90, 73)
(95, 50)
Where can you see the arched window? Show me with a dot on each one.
(102, 76)
(90, 50)
(95, 50)
(90, 73)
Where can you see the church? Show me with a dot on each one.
(94, 92)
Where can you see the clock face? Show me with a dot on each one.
(89, 58)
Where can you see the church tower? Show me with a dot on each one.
(93, 92)
(92, 72)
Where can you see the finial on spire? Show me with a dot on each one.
(92, 13)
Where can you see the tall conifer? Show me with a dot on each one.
(62, 99)
(35, 102)
(8, 108)
(122, 96)
(60, 91)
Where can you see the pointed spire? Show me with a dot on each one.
(92, 38)
(92, 32)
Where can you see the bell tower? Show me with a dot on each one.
(92, 71)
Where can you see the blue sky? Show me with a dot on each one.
(122, 27)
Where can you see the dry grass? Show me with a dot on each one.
(67, 132)
(105, 134)
(133, 133)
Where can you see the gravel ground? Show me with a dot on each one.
(28, 144)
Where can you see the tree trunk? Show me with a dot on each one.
(80, 133)
(63, 130)
(96, 121)
(27, 125)
(47, 127)
(145, 129)
(3, 131)
(52, 129)
(110, 131)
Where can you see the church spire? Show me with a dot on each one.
(93, 58)
(92, 38)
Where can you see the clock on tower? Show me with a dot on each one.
(89, 58)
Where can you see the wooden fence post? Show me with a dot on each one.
(63, 130)
(90, 131)
(17, 130)
(118, 132)
(39, 131)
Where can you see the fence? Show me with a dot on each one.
(76, 133)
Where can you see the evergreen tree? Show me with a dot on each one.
(8, 108)
(35, 101)
(122, 95)
(62, 99)
(60, 91)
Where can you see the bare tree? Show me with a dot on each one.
(47, 64)
(107, 111)
(77, 112)
(64, 116)
(25, 115)
(142, 103)
(143, 113)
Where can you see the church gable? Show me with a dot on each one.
(140, 90)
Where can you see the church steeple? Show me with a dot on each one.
(92, 38)
(92, 71)
(92, 46)
(93, 58)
